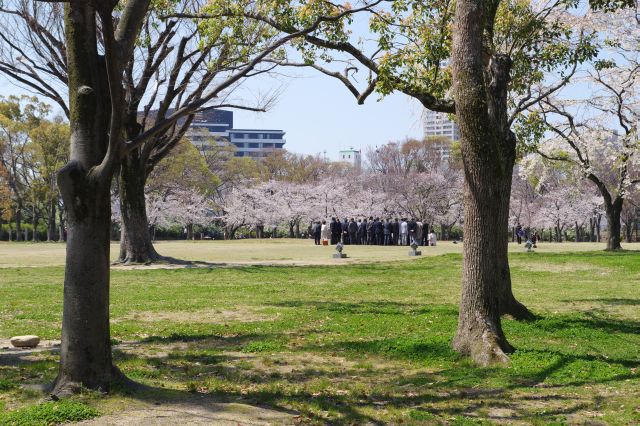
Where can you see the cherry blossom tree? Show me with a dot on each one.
(599, 134)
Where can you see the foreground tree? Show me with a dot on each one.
(99, 40)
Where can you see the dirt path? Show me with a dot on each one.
(201, 413)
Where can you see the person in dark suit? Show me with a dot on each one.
(370, 232)
(387, 231)
(395, 231)
(379, 231)
(362, 231)
(345, 231)
(413, 227)
(335, 231)
(317, 231)
(353, 231)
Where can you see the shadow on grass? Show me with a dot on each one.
(373, 307)
(607, 301)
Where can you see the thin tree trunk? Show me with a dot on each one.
(34, 225)
(18, 217)
(135, 239)
(51, 221)
(613, 217)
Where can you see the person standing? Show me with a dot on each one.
(413, 226)
(317, 232)
(404, 231)
(370, 231)
(419, 233)
(344, 226)
(387, 232)
(519, 233)
(325, 230)
(335, 231)
(432, 238)
(396, 232)
(353, 231)
(362, 231)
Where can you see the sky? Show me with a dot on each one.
(318, 113)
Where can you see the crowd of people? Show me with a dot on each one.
(373, 231)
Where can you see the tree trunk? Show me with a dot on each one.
(18, 217)
(613, 217)
(190, 231)
(34, 226)
(85, 351)
(84, 183)
(51, 221)
(488, 152)
(135, 239)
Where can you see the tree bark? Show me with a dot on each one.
(488, 151)
(135, 239)
(51, 221)
(18, 217)
(85, 351)
(614, 211)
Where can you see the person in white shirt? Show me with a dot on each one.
(404, 231)
(432, 238)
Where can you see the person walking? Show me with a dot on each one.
(412, 225)
(519, 233)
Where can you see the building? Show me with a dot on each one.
(351, 156)
(438, 125)
(217, 125)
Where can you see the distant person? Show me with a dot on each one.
(519, 234)
(432, 238)
(404, 232)
(412, 225)
(370, 232)
(335, 231)
(353, 231)
(362, 231)
(317, 232)
(387, 231)
(345, 231)
(419, 233)
(326, 232)
(395, 231)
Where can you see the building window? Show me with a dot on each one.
(239, 154)
(239, 144)
(279, 145)
(254, 145)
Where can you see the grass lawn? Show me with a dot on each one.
(341, 344)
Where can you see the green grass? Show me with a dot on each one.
(49, 413)
(356, 343)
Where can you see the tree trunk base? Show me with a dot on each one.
(516, 310)
(139, 259)
(65, 386)
(484, 342)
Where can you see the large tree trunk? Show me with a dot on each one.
(613, 217)
(487, 145)
(85, 351)
(135, 239)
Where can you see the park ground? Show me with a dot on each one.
(262, 332)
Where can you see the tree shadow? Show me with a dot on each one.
(608, 301)
(369, 307)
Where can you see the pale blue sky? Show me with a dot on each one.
(319, 113)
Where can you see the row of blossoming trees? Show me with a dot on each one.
(287, 192)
